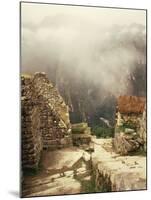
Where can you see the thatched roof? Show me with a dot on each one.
(131, 104)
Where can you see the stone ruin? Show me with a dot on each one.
(81, 135)
(130, 128)
(44, 119)
(46, 125)
(142, 130)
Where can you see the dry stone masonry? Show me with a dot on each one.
(130, 130)
(45, 119)
(31, 135)
(81, 134)
(117, 173)
(143, 129)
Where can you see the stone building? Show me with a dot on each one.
(45, 120)
(130, 128)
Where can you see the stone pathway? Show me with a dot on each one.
(64, 170)
(52, 185)
(58, 173)
(123, 172)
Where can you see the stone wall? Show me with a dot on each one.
(130, 128)
(81, 134)
(45, 119)
(143, 129)
(130, 120)
(115, 179)
(114, 172)
(127, 138)
(31, 135)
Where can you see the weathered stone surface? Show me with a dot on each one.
(81, 134)
(45, 119)
(143, 130)
(124, 144)
(57, 186)
(64, 171)
(61, 173)
(129, 130)
(63, 159)
(115, 172)
(31, 134)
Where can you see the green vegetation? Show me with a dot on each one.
(103, 132)
(129, 124)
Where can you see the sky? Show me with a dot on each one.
(35, 13)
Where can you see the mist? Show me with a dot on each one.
(84, 49)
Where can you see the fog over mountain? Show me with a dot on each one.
(92, 55)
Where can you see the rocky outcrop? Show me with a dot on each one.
(45, 119)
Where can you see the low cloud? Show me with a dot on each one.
(84, 49)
